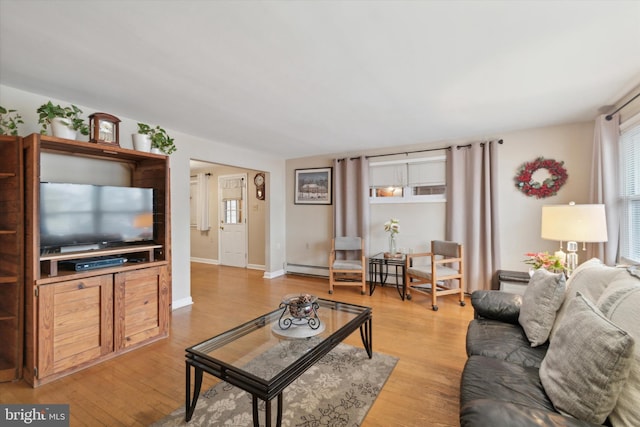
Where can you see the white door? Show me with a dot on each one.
(232, 221)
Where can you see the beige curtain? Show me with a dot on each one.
(472, 210)
(351, 196)
(202, 202)
(605, 186)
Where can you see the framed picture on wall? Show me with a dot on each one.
(313, 186)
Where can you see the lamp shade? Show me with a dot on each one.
(574, 223)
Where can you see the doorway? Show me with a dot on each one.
(204, 245)
(232, 220)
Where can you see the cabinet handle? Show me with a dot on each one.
(81, 285)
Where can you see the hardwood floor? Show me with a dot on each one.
(144, 385)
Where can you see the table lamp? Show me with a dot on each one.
(572, 224)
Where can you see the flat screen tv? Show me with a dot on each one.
(78, 217)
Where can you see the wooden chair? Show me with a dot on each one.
(445, 265)
(347, 263)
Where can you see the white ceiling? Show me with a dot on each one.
(300, 78)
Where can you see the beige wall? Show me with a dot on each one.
(309, 228)
(204, 244)
(519, 214)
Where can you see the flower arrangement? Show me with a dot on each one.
(549, 187)
(392, 226)
(544, 260)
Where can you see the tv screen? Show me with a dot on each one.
(77, 217)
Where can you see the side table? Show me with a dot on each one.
(379, 266)
(513, 281)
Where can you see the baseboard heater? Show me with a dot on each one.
(310, 270)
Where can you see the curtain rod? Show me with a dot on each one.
(424, 151)
(481, 144)
(610, 116)
(406, 153)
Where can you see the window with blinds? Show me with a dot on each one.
(415, 180)
(630, 189)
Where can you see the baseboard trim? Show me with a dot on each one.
(311, 270)
(205, 261)
(184, 302)
(273, 274)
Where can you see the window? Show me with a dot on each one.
(630, 192)
(408, 181)
(232, 196)
(232, 211)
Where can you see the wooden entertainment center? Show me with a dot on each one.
(75, 319)
(11, 260)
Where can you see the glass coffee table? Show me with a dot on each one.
(232, 355)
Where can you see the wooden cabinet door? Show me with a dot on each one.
(75, 323)
(141, 306)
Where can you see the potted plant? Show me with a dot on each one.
(157, 138)
(9, 121)
(65, 122)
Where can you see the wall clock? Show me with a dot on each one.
(259, 182)
(104, 128)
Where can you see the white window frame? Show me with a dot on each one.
(629, 235)
(407, 188)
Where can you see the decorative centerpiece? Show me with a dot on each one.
(392, 227)
(299, 310)
(553, 263)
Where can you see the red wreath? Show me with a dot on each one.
(550, 186)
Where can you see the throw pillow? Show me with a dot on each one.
(590, 279)
(619, 303)
(587, 364)
(540, 302)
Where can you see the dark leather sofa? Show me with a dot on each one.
(500, 383)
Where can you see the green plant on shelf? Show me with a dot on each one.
(47, 112)
(9, 121)
(160, 139)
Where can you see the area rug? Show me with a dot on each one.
(337, 391)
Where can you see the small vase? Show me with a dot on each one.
(392, 244)
(141, 142)
(60, 127)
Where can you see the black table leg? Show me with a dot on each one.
(383, 276)
(366, 335)
(190, 404)
(267, 410)
(372, 277)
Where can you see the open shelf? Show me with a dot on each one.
(8, 277)
(5, 315)
(49, 262)
(90, 149)
(102, 252)
(11, 257)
